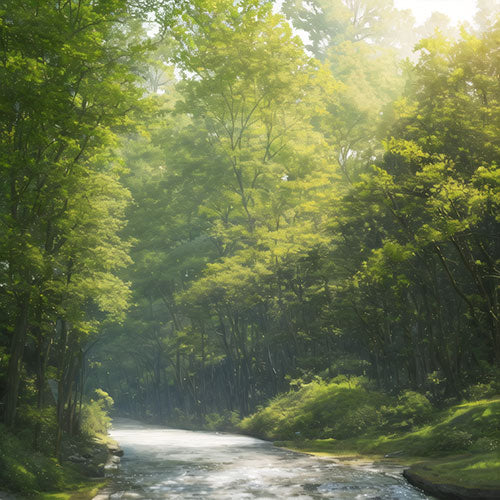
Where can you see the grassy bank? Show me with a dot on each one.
(83, 491)
(457, 445)
(33, 474)
(31, 470)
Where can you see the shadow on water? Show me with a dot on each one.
(178, 464)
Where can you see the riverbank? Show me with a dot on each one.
(459, 477)
(78, 476)
(104, 453)
(451, 451)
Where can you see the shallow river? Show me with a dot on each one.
(178, 464)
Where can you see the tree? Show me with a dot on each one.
(431, 276)
(67, 89)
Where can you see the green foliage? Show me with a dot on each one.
(336, 417)
(461, 427)
(23, 470)
(226, 421)
(95, 417)
(69, 88)
(465, 428)
(45, 418)
(412, 409)
(30, 472)
(470, 471)
(295, 217)
(319, 409)
(448, 440)
(288, 217)
(480, 391)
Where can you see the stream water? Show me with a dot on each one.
(178, 464)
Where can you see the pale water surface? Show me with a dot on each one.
(178, 464)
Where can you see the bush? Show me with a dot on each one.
(225, 421)
(412, 409)
(23, 470)
(481, 391)
(337, 410)
(29, 417)
(183, 420)
(95, 414)
(485, 444)
(448, 439)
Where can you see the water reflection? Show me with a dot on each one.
(178, 464)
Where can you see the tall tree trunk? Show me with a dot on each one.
(43, 350)
(15, 359)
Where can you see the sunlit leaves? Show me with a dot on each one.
(68, 89)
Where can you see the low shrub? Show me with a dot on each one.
(95, 414)
(448, 439)
(226, 421)
(29, 417)
(23, 470)
(481, 391)
(319, 409)
(485, 444)
(411, 410)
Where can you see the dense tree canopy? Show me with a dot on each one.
(207, 212)
(311, 216)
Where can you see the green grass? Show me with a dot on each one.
(460, 446)
(481, 470)
(104, 439)
(82, 491)
(23, 470)
(35, 475)
(472, 427)
(337, 410)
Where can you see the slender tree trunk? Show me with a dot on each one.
(43, 349)
(15, 360)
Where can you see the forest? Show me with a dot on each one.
(206, 204)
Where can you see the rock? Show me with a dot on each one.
(394, 454)
(95, 470)
(93, 460)
(115, 450)
(112, 463)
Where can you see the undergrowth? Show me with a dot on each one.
(459, 444)
(338, 410)
(29, 471)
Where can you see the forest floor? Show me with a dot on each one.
(78, 476)
(86, 488)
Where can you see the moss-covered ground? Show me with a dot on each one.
(474, 470)
(78, 491)
(472, 427)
